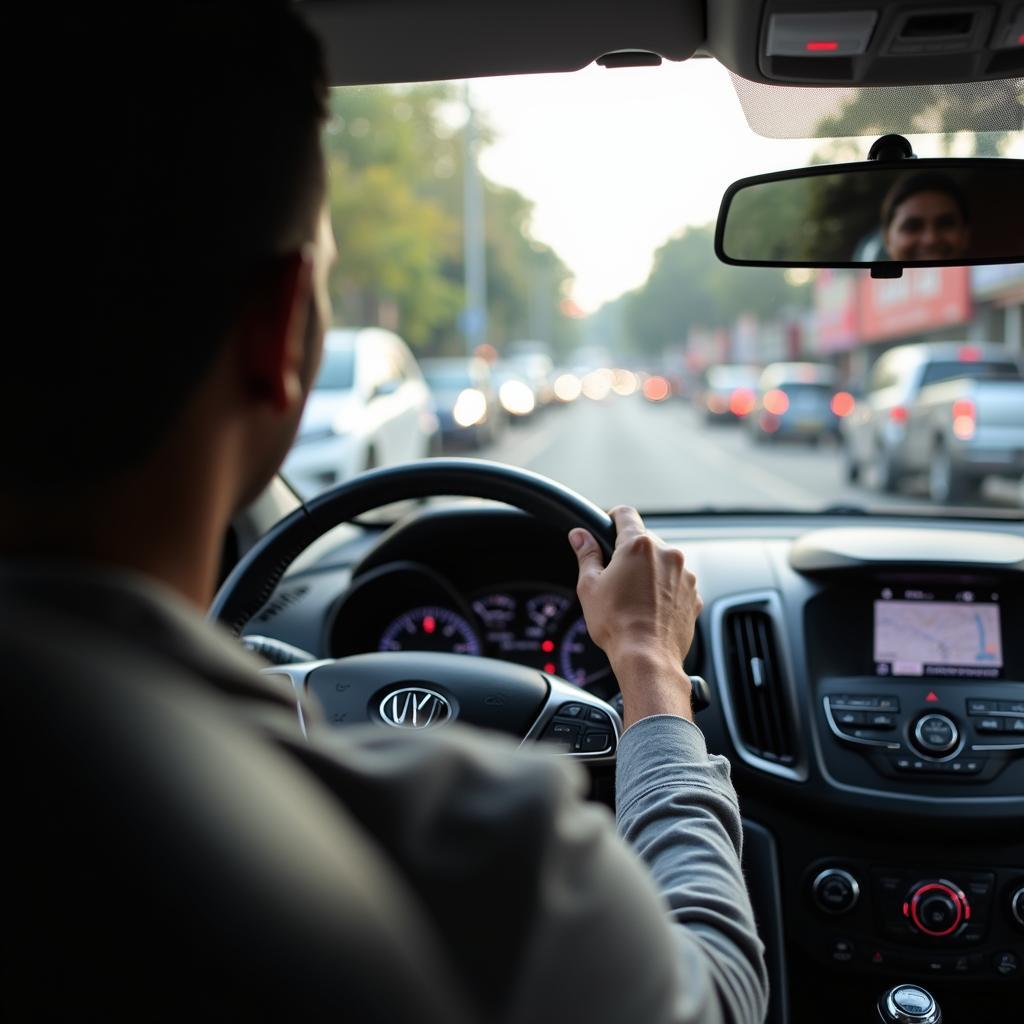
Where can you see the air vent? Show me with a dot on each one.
(757, 685)
(280, 601)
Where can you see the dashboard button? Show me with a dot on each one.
(848, 719)
(1015, 725)
(982, 707)
(888, 704)
(1006, 963)
(989, 725)
(594, 742)
(936, 734)
(1015, 707)
(843, 951)
(835, 891)
(878, 720)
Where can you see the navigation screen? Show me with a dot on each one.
(923, 633)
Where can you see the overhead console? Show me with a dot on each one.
(856, 43)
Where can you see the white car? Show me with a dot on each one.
(369, 407)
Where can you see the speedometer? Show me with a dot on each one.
(430, 629)
(582, 662)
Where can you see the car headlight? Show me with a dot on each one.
(516, 398)
(470, 407)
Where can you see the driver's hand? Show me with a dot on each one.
(640, 610)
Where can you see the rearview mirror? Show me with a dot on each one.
(879, 214)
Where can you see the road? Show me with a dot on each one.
(662, 457)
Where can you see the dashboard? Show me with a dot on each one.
(867, 685)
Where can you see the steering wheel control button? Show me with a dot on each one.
(835, 891)
(571, 711)
(597, 742)
(565, 733)
(936, 734)
(598, 716)
(937, 908)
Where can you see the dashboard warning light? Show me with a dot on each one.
(932, 697)
(429, 623)
(550, 668)
(548, 646)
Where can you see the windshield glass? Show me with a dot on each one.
(560, 227)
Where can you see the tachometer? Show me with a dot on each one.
(430, 629)
(581, 661)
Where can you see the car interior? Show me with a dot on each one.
(883, 801)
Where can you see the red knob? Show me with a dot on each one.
(937, 908)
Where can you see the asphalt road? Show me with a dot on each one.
(662, 458)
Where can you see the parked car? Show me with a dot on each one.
(370, 406)
(729, 392)
(951, 410)
(465, 400)
(797, 400)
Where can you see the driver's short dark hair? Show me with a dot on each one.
(179, 154)
(925, 181)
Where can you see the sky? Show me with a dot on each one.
(617, 161)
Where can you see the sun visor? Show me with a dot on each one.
(794, 112)
(380, 41)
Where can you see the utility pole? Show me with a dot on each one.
(474, 314)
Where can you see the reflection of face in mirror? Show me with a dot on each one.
(925, 217)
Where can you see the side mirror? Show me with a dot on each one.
(883, 214)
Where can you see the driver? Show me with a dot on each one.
(182, 849)
(925, 217)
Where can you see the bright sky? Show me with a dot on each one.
(617, 161)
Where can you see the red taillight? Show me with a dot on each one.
(656, 389)
(775, 401)
(898, 414)
(742, 402)
(968, 354)
(965, 418)
(842, 403)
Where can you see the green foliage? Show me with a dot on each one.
(688, 288)
(396, 159)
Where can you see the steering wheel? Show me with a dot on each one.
(421, 690)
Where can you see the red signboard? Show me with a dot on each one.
(920, 300)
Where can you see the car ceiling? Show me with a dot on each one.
(953, 50)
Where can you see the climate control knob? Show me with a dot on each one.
(1017, 905)
(937, 908)
(936, 735)
(835, 891)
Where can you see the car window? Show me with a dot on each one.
(951, 369)
(337, 370)
(560, 229)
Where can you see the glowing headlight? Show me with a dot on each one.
(470, 407)
(568, 387)
(516, 398)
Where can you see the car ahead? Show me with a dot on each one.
(798, 401)
(729, 392)
(950, 411)
(369, 407)
(465, 400)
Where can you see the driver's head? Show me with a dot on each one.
(925, 217)
(191, 245)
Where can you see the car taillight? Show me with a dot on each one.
(742, 402)
(968, 354)
(898, 414)
(842, 403)
(965, 418)
(775, 401)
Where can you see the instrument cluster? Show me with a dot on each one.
(411, 608)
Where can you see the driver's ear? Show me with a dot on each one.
(272, 332)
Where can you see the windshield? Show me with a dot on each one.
(560, 227)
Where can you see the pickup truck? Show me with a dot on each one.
(951, 412)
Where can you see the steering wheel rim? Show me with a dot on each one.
(252, 581)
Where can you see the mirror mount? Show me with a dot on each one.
(891, 147)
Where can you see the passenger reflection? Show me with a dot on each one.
(925, 217)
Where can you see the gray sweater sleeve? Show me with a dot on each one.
(676, 806)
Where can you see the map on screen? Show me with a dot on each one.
(922, 637)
